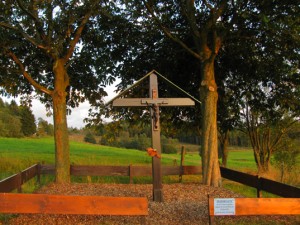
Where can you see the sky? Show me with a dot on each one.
(77, 116)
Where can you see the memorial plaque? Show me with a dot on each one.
(224, 206)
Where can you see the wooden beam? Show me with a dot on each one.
(263, 206)
(83, 205)
(137, 102)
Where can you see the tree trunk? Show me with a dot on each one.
(262, 162)
(224, 147)
(62, 148)
(209, 146)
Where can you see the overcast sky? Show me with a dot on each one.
(78, 114)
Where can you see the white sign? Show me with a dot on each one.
(224, 206)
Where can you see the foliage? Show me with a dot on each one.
(285, 158)
(55, 48)
(235, 44)
(16, 121)
(89, 137)
(27, 120)
(169, 149)
(44, 128)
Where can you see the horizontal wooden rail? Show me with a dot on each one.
(253, 206)
(130, 170)
(278, 188)
(261, 184)
(17, 180)
(99, 170)
(239, 177)
(10, 183)
(62, 204)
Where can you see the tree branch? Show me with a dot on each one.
(207, 5)
(37, 22)
(79, 30)
(190, 15)
(77, 35)
(21, 5)
(26, 36)
(27, 76)
(169, 34)
(49, 12)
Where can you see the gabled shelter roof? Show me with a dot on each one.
(143, 78)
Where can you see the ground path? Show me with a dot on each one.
(184, 204)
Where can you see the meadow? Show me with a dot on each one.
(18, 154)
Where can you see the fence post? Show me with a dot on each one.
(258, 187)
(38, 174)
(181, 163)
(19, 182)
(130, 174)
(211, 218)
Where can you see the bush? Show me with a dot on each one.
(89, 137)
(165, 140)
(169, 149)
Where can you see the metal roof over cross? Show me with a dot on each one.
(154, 102)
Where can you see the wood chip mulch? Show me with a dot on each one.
(183, 204)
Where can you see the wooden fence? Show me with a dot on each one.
(17, 180)
(252, 206)
(261, 184)
(80, 205)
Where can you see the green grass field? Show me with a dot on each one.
(18, 154)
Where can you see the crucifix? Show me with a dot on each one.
(154, 102)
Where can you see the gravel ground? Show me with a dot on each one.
(183, 204)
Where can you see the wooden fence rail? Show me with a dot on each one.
(63, 204)
(15, 182)
(261, 184)
(252, 206)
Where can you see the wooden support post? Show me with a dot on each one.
(181, 163)
(130, 174)
(155, 131)
(211, 218)
(38, 174)
(258, 188)
(19, 180)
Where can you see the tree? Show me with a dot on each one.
(10, 123)
(10, 126)
(54, 48)
(266, 134)
(27, 120)
(204, 29)
(44, 128)
(89, 137)
(272, 71)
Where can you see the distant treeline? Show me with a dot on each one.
(19, 121)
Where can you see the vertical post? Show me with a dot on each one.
(130, 174)
(19, 182)
(258, 188)
(211, 218)
(155, 131)
(181, 163)
(38, 174)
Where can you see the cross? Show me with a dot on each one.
(154, 102)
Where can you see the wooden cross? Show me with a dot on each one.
(154, 102)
